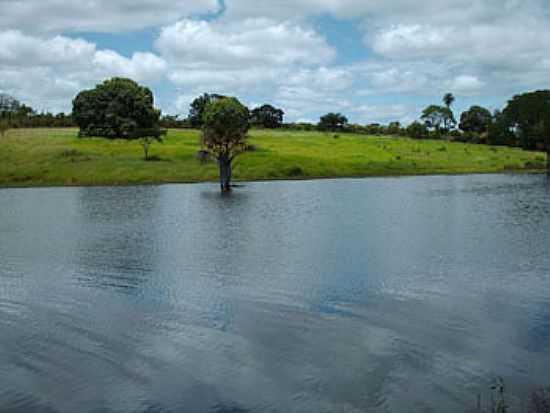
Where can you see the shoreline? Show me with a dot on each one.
(243, 182)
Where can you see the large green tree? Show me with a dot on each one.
(198, 107)
(116, 108)
(477, 119)
(528, 115)
(224, 132)
(438, 118)
(267, 116)
(332, 122)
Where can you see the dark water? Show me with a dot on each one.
(380, 295)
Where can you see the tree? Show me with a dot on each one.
(267, 116)
(499, 132)
(198, 106)
(116, 108)
(417, 130)
(438, 118)
(332, 122)
(8, 105)
(4, 127)
(476, 119)
(147, 137)
(394, 128)
(448, 100)
(529, 115)
(224, 132)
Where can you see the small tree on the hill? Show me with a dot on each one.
(147, 137)
(224, 132)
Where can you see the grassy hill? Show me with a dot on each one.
(43, 157)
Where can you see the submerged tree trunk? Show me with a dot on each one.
(225, 173)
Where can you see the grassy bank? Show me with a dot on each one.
(41, 157)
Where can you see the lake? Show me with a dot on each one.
(354, 295)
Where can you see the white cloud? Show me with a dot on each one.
(97, 15)
(47, 72)
(251, 42)
(385, 113)
(466, 84)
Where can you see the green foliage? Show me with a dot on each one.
(394, 128)
(477, 119)
(529, 115)
(417, 130)
(333, 122)
(267, 116)
(448, 100)
(225, 126)
(117, 108)
(8, 105)
(198, 107)
(224, 132)
(438, 118)
(499, 132)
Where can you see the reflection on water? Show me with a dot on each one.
(351, 295)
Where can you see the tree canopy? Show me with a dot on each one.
(116, 108)
(224, 132)
(333, 122)
(198, 106)
(267, 116)
(448, 99)
(438, 118)
(8, 104)
(528, 115)
(476, 119)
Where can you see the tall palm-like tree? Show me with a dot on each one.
(448, 99)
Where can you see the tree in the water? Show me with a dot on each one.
(224, 132)
(528, 115)
(116, 108)
(198, 106)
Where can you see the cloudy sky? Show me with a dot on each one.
(373, 60)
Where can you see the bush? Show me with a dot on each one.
(295, 171)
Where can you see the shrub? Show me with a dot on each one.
(295, 171)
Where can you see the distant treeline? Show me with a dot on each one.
(524, 122)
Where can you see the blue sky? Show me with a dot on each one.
(373, 61)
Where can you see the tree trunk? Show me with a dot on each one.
(225, 173)
(146, 151)
(548, 158)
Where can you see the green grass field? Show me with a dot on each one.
(44, 157)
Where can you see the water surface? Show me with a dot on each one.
(375, 295)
